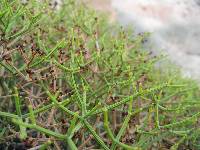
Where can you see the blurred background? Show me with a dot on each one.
(174, 24)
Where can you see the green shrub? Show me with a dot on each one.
(70, 80)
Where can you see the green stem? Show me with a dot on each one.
(110, 134)
(40, 129)
(47, 107)
(181, 122)
(32, 116)
(59, 45)
(124, 125)
(129, 98)
(17, 102)
(9, 115)
(89, 127)
(45, 145)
